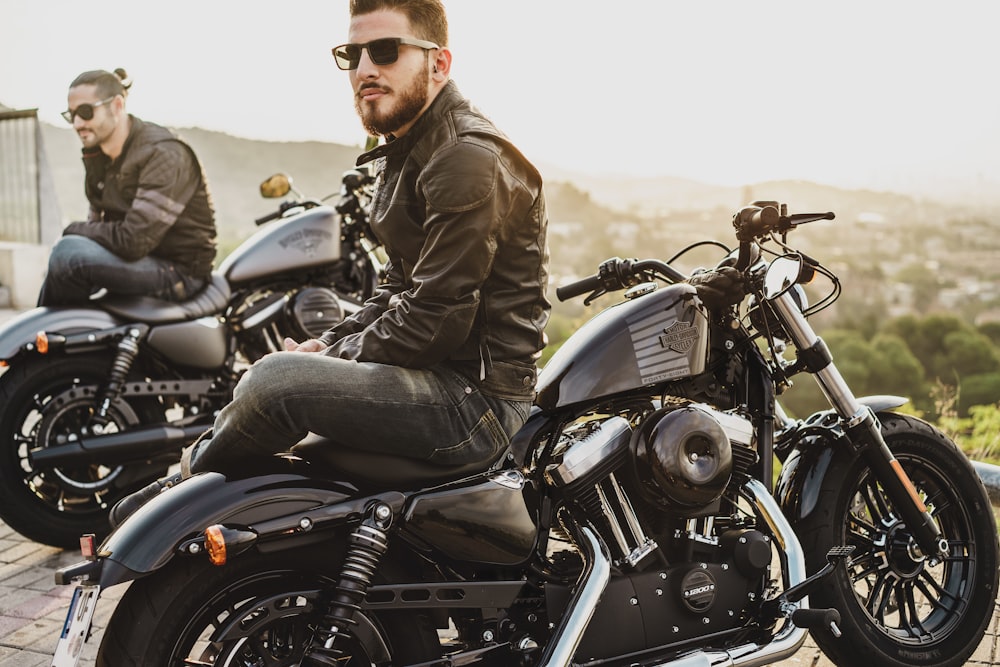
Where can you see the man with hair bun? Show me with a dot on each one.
(151, 226)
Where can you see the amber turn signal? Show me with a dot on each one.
(222, 542)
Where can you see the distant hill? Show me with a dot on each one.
(236, 166)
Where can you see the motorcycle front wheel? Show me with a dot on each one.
(46, 402)
(261, 609)
(898, 607)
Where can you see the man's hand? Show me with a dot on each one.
(311, 345)
(719, 288)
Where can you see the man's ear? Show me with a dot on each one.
(441, 66)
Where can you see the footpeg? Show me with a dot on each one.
(810, 619)
(833, 557)
(778, 605)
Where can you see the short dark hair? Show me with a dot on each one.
(107, 84)
(427, 17)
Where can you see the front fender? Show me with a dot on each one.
(822, 437)
(149, 538)
(21, 330)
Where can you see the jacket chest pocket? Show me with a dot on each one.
(120, 188)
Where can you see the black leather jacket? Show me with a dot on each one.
(152, 200)
(462, 216)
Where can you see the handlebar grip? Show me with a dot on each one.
(753, 221)
(588, 284)
(268, 218)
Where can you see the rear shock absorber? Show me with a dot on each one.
(365, 547)
(128, 350)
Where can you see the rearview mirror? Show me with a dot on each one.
(276, 186)
(781, 275)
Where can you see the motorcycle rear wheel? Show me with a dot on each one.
(897, 607)
(261, 609)
(40, 401)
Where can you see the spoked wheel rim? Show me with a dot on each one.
(271, 619)
(63, 417)
(910, 597)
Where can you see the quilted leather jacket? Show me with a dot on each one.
(152, 200)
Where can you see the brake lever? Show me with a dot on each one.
(594, 295)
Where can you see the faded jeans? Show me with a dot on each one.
(79, 267)
(435, 414)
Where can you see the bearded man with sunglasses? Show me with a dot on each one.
(439, 365)
(151, 226)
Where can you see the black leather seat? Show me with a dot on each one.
(383, 470)
(209, 300)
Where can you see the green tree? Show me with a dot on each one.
(946, 346)
(978, 390)
(894, 369)
(991, 330)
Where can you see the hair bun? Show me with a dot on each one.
(124, 77)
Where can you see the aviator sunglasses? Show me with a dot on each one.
(382, 51)
(84, 111)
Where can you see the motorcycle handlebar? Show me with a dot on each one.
(284, 207)
(269, 217)
(616, 273)
(575, 289)
(751, 222)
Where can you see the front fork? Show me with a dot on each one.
(862, 427)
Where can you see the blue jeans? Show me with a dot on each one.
(435, 414)
(79, 266)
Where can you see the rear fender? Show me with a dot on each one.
(21, 331)
(807, 465)
(274, 505)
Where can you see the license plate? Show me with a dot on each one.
(76, 629)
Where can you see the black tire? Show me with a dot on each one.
(895, 608)
(56, 506)
(267, 602)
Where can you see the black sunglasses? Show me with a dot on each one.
(84, 111)
(382, 51)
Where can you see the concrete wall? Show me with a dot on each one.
(22, 268)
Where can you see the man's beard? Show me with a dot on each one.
(408, 104)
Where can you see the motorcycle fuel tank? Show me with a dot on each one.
(310, 238)
(659, 336)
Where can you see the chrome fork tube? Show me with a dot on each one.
(804, 337)
(864, 430)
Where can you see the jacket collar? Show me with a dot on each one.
(447, 99)
(135, 127)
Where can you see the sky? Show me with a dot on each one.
(884, 94)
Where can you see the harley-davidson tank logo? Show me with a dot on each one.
(306, 240)
(679, 337)
(662, 342)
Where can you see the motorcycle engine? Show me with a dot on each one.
(313, 310)
(683, 456)
(713, 563)
(266, 317)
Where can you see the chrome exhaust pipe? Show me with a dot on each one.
(789, 638)
(590, 586)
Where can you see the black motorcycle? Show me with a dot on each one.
(97, 401)
(632, 522)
